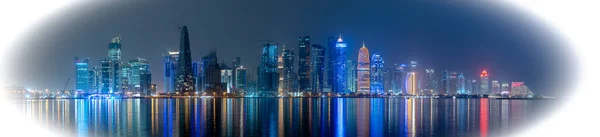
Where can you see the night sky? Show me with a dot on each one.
(464, 37)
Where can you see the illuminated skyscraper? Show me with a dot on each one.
(496, 89)
(170, 71)
(104, 76)
(267, 74)
(411, 83)
(399, 79)
(519, 89)
(505, 88)
(210, 74)
(474, 87)
(318, 68)
(185, 80)
(444, 88)
(351, 76)
(237, 62)
(287, 73)
(363, 69)
(139, 66)
(240, 78)
(461, 84)
(82, 74)
(485, 79)
(125, 76)
(377, 74)
(331, 59)
(304, 64)
(430, 82)
(145, 84)
(413, 69)
(227, 79)
(468, 87)
(94, 81)
(452, 83)
(339, 86)
(114, 56)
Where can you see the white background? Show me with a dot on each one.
(577, 20)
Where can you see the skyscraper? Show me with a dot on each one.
(105, 76)
(331, 58)
(411, 83)
(469, 87)
(318, 68)
(484, 88)
(505, 88)
(452, 83)
(170, 71)
(304, 64)
(93, 79)
(339, 85)
(139, 66)
(125, 77)
(114, 56)
(363, 69)
(210, 74)
(287, 72)
(237, 62)
(267, 74)
(444, 83)
(377, 74)
(185, 80)
(145, 84)
(496, 89)
(462, 89)
(351, 76)
(474, 87)
(430, 82)
(82, 74)
(240, 78)
(227, 79)
(399, 78)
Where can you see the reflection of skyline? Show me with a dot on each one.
(281, 116)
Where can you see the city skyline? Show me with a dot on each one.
(418, 49)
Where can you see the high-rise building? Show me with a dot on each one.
(351, 76)
(170, 71)
(145, 84)
(287, 73)
(114, 49)
(114, 56)
(267, 74)
(237, 62)
(474, 87)
(139, 66)
(125, 76)
(304, 64)
(377, 74)
(413, 69)
(105, 76)
(363, 69)
(469, 87)
(227, 79)
(185, 80)
(240, 78)
(444, 83)
(505, 88)
(485, 86)
(210, 77)
(453, 83)
(94, 79)
(399, 78)
(82, 74)
(331, 59)
(430, 82)
(339, 85)
(388, 77)
(462, 89)
(318, 68)
(496, 89)
(411, 83)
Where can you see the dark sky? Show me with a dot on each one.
(465, 37)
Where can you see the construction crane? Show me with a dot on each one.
(69, 79)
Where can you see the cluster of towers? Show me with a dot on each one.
(114, 76)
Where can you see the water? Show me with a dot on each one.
(283, 116)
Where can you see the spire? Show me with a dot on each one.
(363, 44)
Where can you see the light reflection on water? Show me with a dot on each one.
(283, 116)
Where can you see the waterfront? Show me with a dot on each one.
(284, 116)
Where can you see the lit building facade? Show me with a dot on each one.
(170, 68)
(82, 75)
(318, 68)
(452, 83)
(363, 69)
(444, 88)
(519, 89)
(105, 76)
(411, 83)
(288, 75)
(462, 86)
(430, 82)
(267, 74)
(114, 56)
(210, 74)
(399, 79)
(485, 86)
(240, 78)
(377, 74)
(185, 80)
(496, 89)
(339, 85)
(351, 76)
(227, 79)
(304, 64)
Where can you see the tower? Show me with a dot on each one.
(339, 85)
(484, 88)
(304, 64)
(185, 80)
(317, 68)
(377, 74)
(267, 74)
(363, 69)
